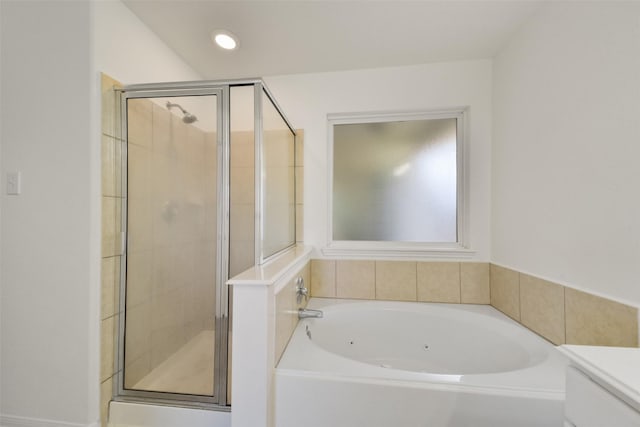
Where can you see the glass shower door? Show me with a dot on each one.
(174, 335)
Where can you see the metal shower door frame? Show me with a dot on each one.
(219, 400)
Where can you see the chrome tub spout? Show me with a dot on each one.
(305, 313)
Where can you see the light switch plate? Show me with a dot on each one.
(13, 183)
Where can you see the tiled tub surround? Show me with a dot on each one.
(264, 310)
(287, 310)
(450, 282)
(558, 313)
(561, 314)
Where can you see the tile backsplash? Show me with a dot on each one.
(355, 279)
(560, 314)
(453, 282)
(592, 320)
(287, 310)
(396, 280)
(542, 308)
(439, 281)
(505, 291)
(474, 283)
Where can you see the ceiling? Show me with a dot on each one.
(289, 37)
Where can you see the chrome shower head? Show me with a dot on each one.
(188, 117)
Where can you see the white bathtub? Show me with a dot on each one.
(401, 364)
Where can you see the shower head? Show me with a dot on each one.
(187, 118)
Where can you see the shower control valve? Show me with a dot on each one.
(301, 290)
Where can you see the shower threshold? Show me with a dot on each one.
(188, 371)
(131, 414)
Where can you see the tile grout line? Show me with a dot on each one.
(519, 300)
(564, 318)
(335, 278)
(490, 285)
(416, 269)
(375, 280)
(460, 282)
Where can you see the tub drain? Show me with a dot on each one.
(426, 347)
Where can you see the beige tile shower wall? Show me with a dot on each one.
(140, 241)
(279, 189)
(242, 202)
(453, 282)
(172, 235)
(111, 254)
(561, 314)
(287, 310)
(299, 186)
(154, 289)
(242, 181)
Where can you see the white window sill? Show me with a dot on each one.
(396, 251)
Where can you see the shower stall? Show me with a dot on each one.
(209, 185)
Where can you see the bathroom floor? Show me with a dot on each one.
(188, 371)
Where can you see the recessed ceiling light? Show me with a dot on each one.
(225, 39)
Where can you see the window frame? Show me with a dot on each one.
(397, 249)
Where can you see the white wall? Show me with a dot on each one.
(51, 56)
(128, 51)
(50, 251)
(566, 201)
(307, 99)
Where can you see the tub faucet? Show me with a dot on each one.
(305, 313)
(301, 290)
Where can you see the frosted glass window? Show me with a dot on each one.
(396, 181)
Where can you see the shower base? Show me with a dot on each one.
(187, 371)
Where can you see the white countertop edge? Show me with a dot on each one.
(270, 272)
(601, 373)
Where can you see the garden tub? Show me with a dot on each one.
(405, 364)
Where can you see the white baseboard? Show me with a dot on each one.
(15, 421)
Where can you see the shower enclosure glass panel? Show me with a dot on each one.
(242, 189)
(209, 179)
(278, 201)
(172, 228)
